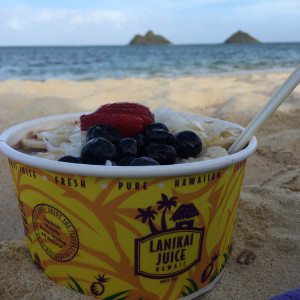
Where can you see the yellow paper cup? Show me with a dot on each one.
(153, 232)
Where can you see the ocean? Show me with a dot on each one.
(100, 62)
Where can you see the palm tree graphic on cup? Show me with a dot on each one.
(148, 214)
(165, 204)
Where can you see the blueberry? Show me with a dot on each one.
(127, 147)
(148, 128)
(160, 136)
(189, 144)
(164, 154)
(144, 161)
(141, 142)
(97, 151)
(70, 159)
(104, 131)
(125, 161)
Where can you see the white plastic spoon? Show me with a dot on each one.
(266, 111)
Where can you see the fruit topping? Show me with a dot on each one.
(97, 151)
(144, 161)
(70, 159)
(160, 136)
(125, 161)
(128, 108)
(125, 134)
(128, 118)
(152, 126)
(126, 124)
(105, 131)
(189, 144)
(141, 142)
(104, 147)
(164, 154)
(127, 147)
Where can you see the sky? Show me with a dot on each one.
(115, 22)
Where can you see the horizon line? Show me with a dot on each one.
(119, 45)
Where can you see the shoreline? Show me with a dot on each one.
(195, 76)
(267, 220)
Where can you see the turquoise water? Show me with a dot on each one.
(99, 62)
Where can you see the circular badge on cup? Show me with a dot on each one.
(55, 232)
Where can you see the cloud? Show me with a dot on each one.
(20, 17)
(48, 15)
(13, 23)
(81, 17)
(96, 17)
(115, 22)
(270, 8)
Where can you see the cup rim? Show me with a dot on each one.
(11, 134)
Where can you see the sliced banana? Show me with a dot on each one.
(31, 143)
(47, 155)
(225, 139)
(213, 152)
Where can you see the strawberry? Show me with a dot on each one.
(127, 124)
(128, 118)
(128, 108)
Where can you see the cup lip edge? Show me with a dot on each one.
(120, 171)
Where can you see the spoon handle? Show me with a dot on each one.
(266, 111)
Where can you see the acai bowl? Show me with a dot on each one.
(141, 232)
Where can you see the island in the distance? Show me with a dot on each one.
(241, 37)
(149, 39)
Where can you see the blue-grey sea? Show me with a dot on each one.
(99, 62)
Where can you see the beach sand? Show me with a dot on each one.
(268, 217)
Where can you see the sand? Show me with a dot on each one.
(268, 217)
